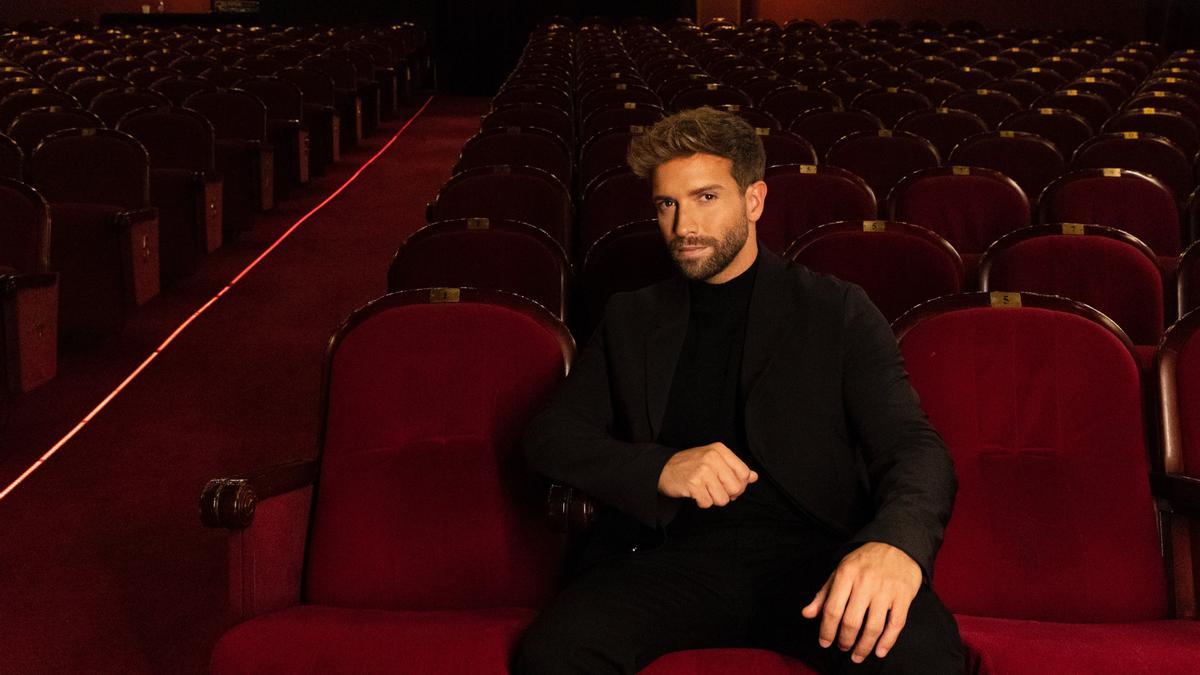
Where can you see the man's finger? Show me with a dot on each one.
(855, 615)
(835, 607)
(812, 609)
(897, 617)
(876, 618)
(735, 463)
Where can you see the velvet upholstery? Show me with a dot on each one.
(944, 127)
(882, 158)
(1126, 201)
(613, 199)
(1142, 152)
(1065, 129)
(618, 117)
(898, 265)
(517, 145)
(518, 193)
(423, 418)
(823, 128)
(1042, 412)
(624, 259)
(453, 253)
(801, 197)
(970, 207)
(1117, 278)
(992, 106)
(1028, 159)
(601, 153)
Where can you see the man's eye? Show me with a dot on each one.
(666, 204)
(708, 196)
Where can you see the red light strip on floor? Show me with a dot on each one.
(204, 308)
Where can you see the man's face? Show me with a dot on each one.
(705, 218)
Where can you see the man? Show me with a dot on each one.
(768, 476)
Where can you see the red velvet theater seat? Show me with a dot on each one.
(1146, 153)
(28, 290)
(882, 158)
(416, 541)
(1107, 269)
(944, 127)
(1179, 405)
(485, 253)
(1030, 160)
(970, 206)
(1126, 200)
(105, 238)
(1051, 561)
(527, 146)
(823, 127)
(520, 193)
(1065, 129)
(899, 265)
(614, 198)
(803, 196)
(626, 258)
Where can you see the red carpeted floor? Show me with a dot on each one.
(105, 565)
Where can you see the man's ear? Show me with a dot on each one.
(756, 198)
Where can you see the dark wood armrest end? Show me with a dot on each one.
(230, 502)
(570, 510)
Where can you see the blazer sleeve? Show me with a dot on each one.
(570, 440)
(911, 474)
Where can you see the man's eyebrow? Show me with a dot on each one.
(706, 188)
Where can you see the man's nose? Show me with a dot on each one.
(685, 223)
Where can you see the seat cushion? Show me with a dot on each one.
(727, 660)
(1014, 646)
(317, 639)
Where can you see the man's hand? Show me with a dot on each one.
(710, 474)
(871, 589)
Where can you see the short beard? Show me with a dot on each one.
(724, 250)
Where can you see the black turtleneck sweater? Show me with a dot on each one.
(706, 404)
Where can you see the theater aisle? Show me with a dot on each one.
(105, 565)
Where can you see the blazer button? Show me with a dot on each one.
(633, 549)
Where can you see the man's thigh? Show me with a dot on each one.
(929, 642)
(627, 609)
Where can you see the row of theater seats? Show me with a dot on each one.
(1052, 561)
(128, 154)
(1108, 236)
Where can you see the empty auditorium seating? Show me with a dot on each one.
(520, 193)
(1030, 160)
(184, 184)
(28, 290)
(1145, 153)
(882, 157)
(991, 105)
(626, 258)
(803, 196)
(245, 158)
(614, 198)
(111, 104)
(463, 253)
(285, 122)
(441, 383)
(105, 238)
(1065, 129)
(1126, 200)
(1040, 403)
(1104, 268)
(944, 127)
(31, 126)
(899, 265)
(823, 128)
(528, 146)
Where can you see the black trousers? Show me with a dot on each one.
(730, 586)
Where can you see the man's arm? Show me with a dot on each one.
(910, 470)
(570, 441)
(912, 483)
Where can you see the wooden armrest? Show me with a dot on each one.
(1181, 493)
(230, 502)
(10, 283)
(569, 510)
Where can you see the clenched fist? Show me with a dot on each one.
(710, 474)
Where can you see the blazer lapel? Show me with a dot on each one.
(774, 311)
(664, 342)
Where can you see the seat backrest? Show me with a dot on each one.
(614, 198)
(1039, 400)
(891, 103)
(823, 128)
(92, 166)
(526, 146)
(111, 105)
(178, 89)
(12, 159)
(944, 127)
(787, 102)
(175, 138)
(785, 147)
(1142, 152)
(423, 498)
(1126, 200)
(520, 193)
(27, 99)
(1065, 129)
(31, 126)
(970, 206)
(625, 258)
(991, 105)
(317, 87)
(1030, 160)
(899, 265)
(803, 196)
(1178, 390)
(462, 252)
(24, 229)
(284, 99)
(532, 115)
(882, 157)
(619, 116)
(1104, 268)
(234, 113)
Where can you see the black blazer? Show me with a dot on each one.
(829, 411)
